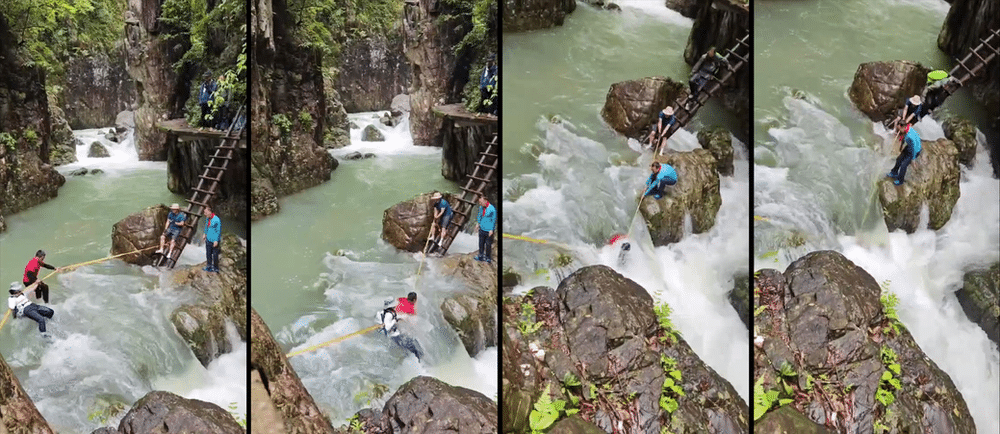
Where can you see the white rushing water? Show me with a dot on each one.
(357, 272)
(581, 196)
(924, 268)
(112, 339)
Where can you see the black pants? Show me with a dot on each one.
(409, 344)
(485, 244)
(41, 291)
(38, 313)
(212, 255)
(902, 162)
(485, 106)
(205, 111)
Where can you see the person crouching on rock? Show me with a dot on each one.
(662, 176)
(910, 151)
(172, 228)
(442, 216)
(213, 232)
(21, 306)
(663, 123)
(31, 275)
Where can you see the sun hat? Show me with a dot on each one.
(175, 206)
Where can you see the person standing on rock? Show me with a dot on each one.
(21, 306)
(486, 220)
(31, 275)
(442, 216)
(666, 119)
(205, 95)
(662, 176)
(172, 229)
(487, 86)
(213, 232)
(703, 71)
(910, 151)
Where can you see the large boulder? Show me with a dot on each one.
(535, 14)
(221, 303)
(633, 105)
(165, 413)
(426, 404)
(931, 179)
(26, 176)
(599, 328)
(97, 88)
(407, 224)
(62, 142)
(97, 150)
(372, 134)
(718, 141)
(880, 88)
(472, 312)
(263, 200)
(688, 8)
(338, 133)
(19, 412)
(962, 133)
(400, 103)
(696, 193)
(372, 70)
(124, 121)
(980, 299)
(739, 298)
(285, 392)
(139, 231)
(823, 324)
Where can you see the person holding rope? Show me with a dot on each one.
(666, 119)
(442, 216)
(487, 221)
(662, 176)
(21, 306)
(172, 229)
(31, 275)
(390, 315)
(910, 142)
(212, 235)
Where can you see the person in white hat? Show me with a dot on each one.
(664, 122)
(172, 228)
(442, 216)
(913, 111)
(21, 306)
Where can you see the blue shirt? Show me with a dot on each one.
(666, 172)
(176, 219)
(487, 218)
(213, 229)
(443, 204)
(489, 77)
(207, 89)
(912, 139)
(667, 120)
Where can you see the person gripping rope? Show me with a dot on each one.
(21, 307)
(172, 229)
(442, 216)
(662, 176)
(390, 316)
(663, 123)
(910, 151)
(31, 275)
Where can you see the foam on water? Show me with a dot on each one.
(123, 157)
(655, 9)
(571, 205)
(398, 140)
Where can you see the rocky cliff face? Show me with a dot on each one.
(825, 342)
(522, 15)
(166, 413)
(289, 112)
(932, 179)
(431, 28)
(97, 88)
(150, 55)
(26, 176)
(969, 21)
(186, 161)
(18, 410)
(720, 28)
(372, 71)
(460, 152)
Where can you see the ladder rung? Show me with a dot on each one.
(203, 191)
(479, 179)
(493, 167)
(223, 157)
(219, 179)
(196, 203)
(209, 166)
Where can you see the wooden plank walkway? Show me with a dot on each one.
(463, 117)
(187, 133)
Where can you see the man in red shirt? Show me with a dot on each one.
(408, 304)
(31, 275)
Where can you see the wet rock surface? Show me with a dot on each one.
(165, 413)
(932, 180)
(633, 105)
(696, 193)
(535, 14)
(980, 299)
(880, 88)
(139, 231)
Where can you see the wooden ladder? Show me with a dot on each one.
(684, 112)
(208, 183)
(475, 185)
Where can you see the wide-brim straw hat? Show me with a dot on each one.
(915, 99)
(175, 206)
(669, 111)
(436, 196)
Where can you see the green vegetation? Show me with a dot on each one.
(663, 316)
(889, 303)
(323, 25)
(305, 120)
(477, 43)
(50, 32)
(283, 123)
(763, 400)
(105, 409)
(526, 323)
(241, 418)
(355, 424)
(547, 411)
(671, 390)
(370, 392)
(7, 141)
(887, 387)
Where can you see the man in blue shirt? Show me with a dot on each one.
(442, 216)
(910, 151)
(664, 122)
(487, 86)
(172, 228)
(486, 220)
(204, 95)
(658, 181)
(213, 232)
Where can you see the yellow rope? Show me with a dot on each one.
(633, 216)
(31, 287)
(333, 341)
(537, 241)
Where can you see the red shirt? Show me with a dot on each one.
(32, 267)
(405, 306)
(616, 238)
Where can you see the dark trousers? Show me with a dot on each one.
(41, 291)
(697, 83)
(661, 187)
(485, 244)
(212, 254)
(205, 111)
(485, 106)
(409, 344)
(902, 162)
(38, 313)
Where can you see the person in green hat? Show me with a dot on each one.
(939, 86)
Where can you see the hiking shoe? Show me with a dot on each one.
(479, 258)
(207, 268)
(890, 175)
(215, 269)
(658, 196)
(897, 181)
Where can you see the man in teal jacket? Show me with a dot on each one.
(213, 232)
(658, 181)
(911, 149)
(487, 221)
